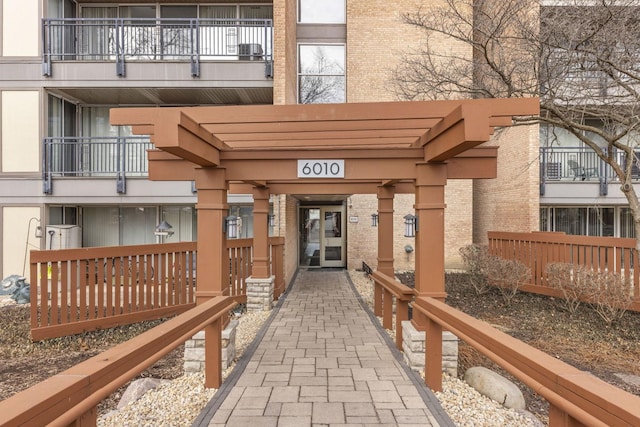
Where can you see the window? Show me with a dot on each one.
(626, 223)
(321, 12)
(321, 74)
(583, 221)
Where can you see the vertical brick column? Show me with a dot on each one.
(213, 261)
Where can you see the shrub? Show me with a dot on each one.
(607, 292)
(611, 295)
(573, 282)
(507, 275)
(476, 258)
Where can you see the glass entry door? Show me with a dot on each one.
(322, 237)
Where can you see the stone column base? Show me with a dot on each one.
(260, 293)
(413, 347)
(194, 349)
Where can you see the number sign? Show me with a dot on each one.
(320, 168)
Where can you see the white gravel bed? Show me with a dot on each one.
(464, 405)
(180, 401)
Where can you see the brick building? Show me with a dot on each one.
(69, 179)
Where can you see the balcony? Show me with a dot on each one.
(579, 165)
(82, 157)
(189, 41)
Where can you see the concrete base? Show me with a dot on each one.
(413, 347)
(194, 349)
(260, 293)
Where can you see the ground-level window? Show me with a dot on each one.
(135, 225)
(321, 74)
(580, 220)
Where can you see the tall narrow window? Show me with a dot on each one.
(321, 74)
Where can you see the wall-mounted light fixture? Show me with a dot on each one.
(231, 227)
(410, 225)
(374, 220)
(164, 229)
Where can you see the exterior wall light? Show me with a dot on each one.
(231, 227)
(164, 229)
(374, 220)
(410, 225)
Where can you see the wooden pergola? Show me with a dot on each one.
(383, 148)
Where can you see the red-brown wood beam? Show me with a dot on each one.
(385, 230)
(466, 127)
(165, 166)
(174, 131)
(213, 259)
(260, 268)
(429, 246)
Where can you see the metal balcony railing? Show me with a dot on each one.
(166, 39)
(118, 157)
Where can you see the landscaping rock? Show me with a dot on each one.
(137, 389)
(495, 387)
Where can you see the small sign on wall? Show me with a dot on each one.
(353, 219)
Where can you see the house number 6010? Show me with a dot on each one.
(320, 168)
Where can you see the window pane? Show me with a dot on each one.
(138, 225)
(332, 224)
(256, 12)
(218, 12)
(321, 69)
(626, 223)
(178, 11)
(570, 220)
(100, 226)
(322, 12)
(600, 222)
(321, 90)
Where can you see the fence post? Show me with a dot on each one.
(433, 355)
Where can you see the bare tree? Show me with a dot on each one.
(582, 58)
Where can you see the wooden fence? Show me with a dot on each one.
(538, 249)
(78, 290)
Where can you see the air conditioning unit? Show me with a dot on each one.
(63, 236)
(250, 52)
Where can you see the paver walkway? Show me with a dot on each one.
(323, 361)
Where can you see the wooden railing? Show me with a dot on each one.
(574, 396)
(71, 397)
(390, 289)
(78, 290)
(538, 249)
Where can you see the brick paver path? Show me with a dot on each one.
(323, 362)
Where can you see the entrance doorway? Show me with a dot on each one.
(322, 236)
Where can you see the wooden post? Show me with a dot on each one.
(385, 230)
(213, 261)
(433, 356)
(430, 206)
(430, 181)
(260, 233)
(385, 243)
